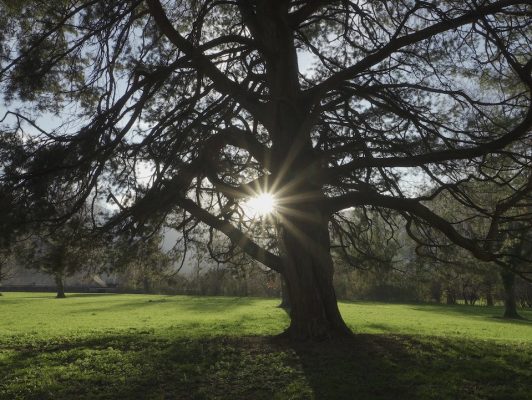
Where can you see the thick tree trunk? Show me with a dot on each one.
(510, 303)
(304, 246)
(308, 271)
(60, 286)
(303, 228)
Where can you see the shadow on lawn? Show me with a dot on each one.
(400, 367)
(200, 305)
(366, 367)
(476, 311)
(85, 295)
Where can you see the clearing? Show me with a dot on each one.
(180, 347)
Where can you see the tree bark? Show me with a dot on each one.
(60, 286)
(308, 272)
(510, 303)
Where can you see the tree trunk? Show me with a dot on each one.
(489, 294)
(489, 299)
(146, 284)
(302, 227)
(510, 303)
(245, 282)
(449, 297)
(308, 272)
(304, 248)
(436, 291)
(285, 298)
(60, 286)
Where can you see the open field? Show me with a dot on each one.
(177, 347)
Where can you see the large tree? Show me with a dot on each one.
(325, 104)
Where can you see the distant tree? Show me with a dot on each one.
(142, 262)
(502, 216)
(524, 293)
(221, 270)
(367, 239)
(507, 227)
(61, 251)
(326, 104)
(6, 264)
(518, 245)
(367, 249)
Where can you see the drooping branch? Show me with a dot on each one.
(236, 236)
(248, 189)
(502, 207)
(413, 207)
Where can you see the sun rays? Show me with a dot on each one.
(260, 205)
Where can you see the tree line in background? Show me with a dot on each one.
(386, 265)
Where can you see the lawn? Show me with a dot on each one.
(179, 347)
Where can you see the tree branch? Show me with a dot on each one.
(413, 207)
(236, 236)
(221, 82)
(317, 92)
(437, 156)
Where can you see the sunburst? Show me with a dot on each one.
(260, 205)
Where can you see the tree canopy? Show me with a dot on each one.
(181, 109)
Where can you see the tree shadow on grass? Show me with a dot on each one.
(85, 295)
(517, 321)
(204, 305)
(490, 313)
(135, 366)
(220, 303)
(381, 327)
(401, 367)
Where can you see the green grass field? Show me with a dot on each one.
(178, 347)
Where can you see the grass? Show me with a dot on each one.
(178, 347)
